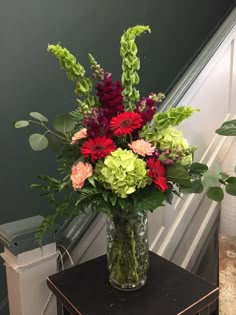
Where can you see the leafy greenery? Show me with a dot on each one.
(228, 128)
(21, 123)
(38, 116)
(38, 142)
(179, 175)
(215, 193)
(64, 123)
(148, 198)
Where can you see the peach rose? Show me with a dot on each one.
(142, 147)
(80, 172)
(79, 135)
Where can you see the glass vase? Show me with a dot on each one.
(127, 250)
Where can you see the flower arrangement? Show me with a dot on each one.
(115, 148)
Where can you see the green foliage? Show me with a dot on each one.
(64, 123)
(38, 116)
(228, 128)
(210, 179)
(198, 168)
(215, 193)
(47, 224)
(179, 175)
(196, 187)
(130, 64)
(169, 194)
(148, 198)
(21, 123)
(38, 142)
(231, 186)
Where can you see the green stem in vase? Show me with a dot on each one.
(127, 252)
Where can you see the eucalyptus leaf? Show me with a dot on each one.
(231, 189)
(228, 128)
(38, 116)
(198, 168)
(21, 123)
(231, 180)
(64, 123)
(196, 188)
(38, 142)
(178, 174)
(224, 176)
(215, 193)
(210, 180)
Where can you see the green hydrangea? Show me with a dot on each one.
(169, 138)
(186, 160)
(122, 172)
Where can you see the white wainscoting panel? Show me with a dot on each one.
(189, 221)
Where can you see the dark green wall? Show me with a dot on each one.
(30, 79)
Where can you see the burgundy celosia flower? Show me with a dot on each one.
(157, 173)
(97, 148)
(125, 123)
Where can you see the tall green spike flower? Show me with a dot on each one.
(130, 64)
(163, 120)
(74, 70)
(67, 61)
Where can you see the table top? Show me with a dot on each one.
(170, 290)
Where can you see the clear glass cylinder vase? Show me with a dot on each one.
(127, 250)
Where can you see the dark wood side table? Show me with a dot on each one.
(170, 290)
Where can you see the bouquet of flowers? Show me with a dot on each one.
(116, 153)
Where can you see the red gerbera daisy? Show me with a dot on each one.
(97, 148)
(125, 123)
(157, 173)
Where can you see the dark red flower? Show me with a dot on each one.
(146, 109)
(97, 148)
(125, 123)
(157, 173)
(111, 104)
(110, 97)
(97, 124)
